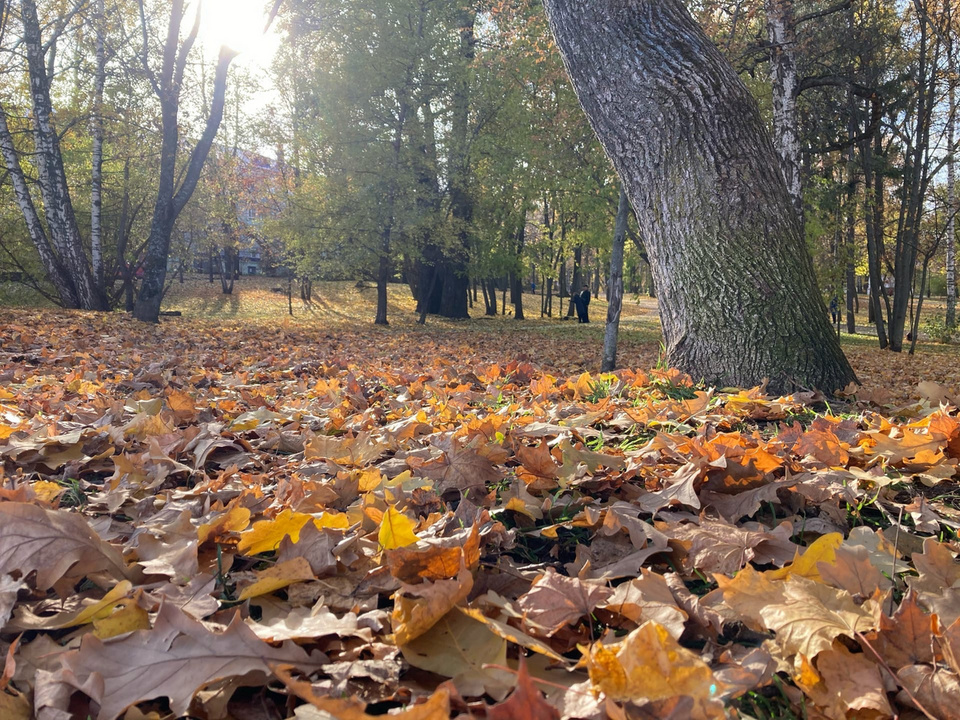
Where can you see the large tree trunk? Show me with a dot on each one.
(455, 281)
(615, 287)
(739, 302)
(171, 199)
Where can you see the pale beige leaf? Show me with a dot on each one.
(174, 660)
(53, 543)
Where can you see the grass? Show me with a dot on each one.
(343, 306)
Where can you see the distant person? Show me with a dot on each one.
(835, 310)
(581, 302)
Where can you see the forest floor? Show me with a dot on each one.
(238, 513)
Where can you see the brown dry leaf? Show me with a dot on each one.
(555, 601)
(314, 545)
(418, 607)
(459, 647)
(937, 567)
(537, 462)
(462, 468)
(811, 616)
(8, 597)
(937, 689)
(57, 545)
(174, 660)
(907, 637)
(649, 665)
(844, 684)
(648, 598)
(852, 571)
(303, 623)
(525, 702)
(437, 707)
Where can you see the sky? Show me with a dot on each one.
(240, 24)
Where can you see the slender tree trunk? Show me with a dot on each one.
(516, 276)
(56, 273)
(96, 172)
(170, 199)
(739, 298)
(57, 204)
(951, 319)
(383, 277)
(874, 244)
(616, 285)
(577, 282)
(781, 32)
(850, 240)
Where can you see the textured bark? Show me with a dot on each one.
(455, 282)
(951, 319)
(615, 286)
(781, 32)
(56, 273)
(873, 222)
(57, 204)
(96, 131)
(739, 301)
(170, 198)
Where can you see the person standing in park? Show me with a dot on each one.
(582, 304)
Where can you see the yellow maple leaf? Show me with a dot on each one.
(396, 530)
(824, 549)
(650, 665)
(266, 535)
(279, 576)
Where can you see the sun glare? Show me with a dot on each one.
(238, 24)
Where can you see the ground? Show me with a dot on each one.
(425, 518)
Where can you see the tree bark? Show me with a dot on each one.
(170, 199)
(739, 300)
(58, 206)
(56, 273)
(951, 319)
(781, 32)
(612, 330)
(96, 131)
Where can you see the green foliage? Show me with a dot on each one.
(935, 326)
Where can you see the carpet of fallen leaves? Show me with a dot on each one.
(273, 521)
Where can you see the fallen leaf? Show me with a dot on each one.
(175, 659)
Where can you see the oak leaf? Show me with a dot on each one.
(174, 660)
(57, 545)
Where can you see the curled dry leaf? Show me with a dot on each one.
(55, 545)
(175, 659)
(555, 601)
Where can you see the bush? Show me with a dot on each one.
(935, 326)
